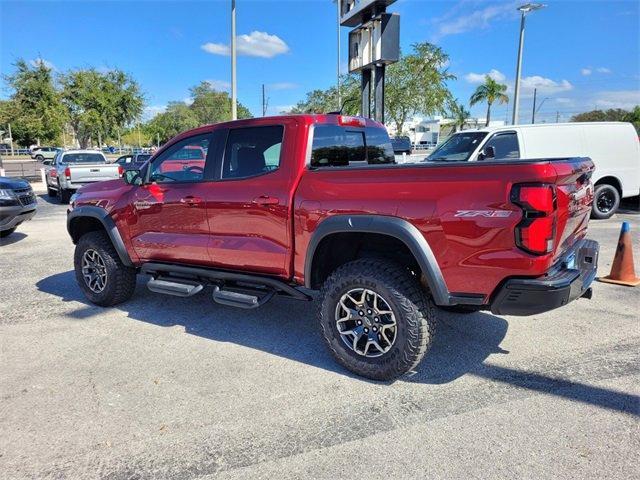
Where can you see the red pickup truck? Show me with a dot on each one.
(291, 204)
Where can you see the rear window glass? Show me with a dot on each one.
(83, 158)
(336, 146)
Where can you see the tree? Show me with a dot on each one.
(417, 84)
(34, 109)
(99, 103)
(490, 91)
(459, 114)
(177, 118)
(212, 106)
(323, 101)
(611, 115)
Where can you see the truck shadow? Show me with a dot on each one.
(287, 328)
(15, 237)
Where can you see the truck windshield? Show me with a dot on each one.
(83, 158)
(458, 148)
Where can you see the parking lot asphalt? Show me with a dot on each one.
(164, 387)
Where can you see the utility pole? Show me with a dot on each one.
(139, 138)
(119, 142)
(524, 9)
(339, 2)
(11, 140)
(157, 140)
(234, 93)
(264, 102)
(557, 116)
(533, 112)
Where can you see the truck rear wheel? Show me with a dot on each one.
(100, 273)
(606, 200)
(375, 318)
(63, 195)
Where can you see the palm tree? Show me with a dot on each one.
(459, 114)
(490, 91)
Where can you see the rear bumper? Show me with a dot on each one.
(567, 281)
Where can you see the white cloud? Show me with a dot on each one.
(281, 109)
(255, 44)
(626, 99)
(586, 72)
(603, 70)
(454, 23)
(564, 100)
(151, 111)
(216, 48)
(544, 85)
(41, 61)
(282, 86)
(221, 85)
(497, 75)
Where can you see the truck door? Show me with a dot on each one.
(169, 220)
(249, 207)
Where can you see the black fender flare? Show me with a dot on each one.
(107, 222)
(394, 227)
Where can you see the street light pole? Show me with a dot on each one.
(524, 9)
(234, 93)
(338, 64)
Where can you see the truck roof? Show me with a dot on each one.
(538, 125)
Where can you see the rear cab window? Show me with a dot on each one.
(344, 146)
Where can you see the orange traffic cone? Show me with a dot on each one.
(622, 270)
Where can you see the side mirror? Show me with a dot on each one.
(487, 152)
(132, 177)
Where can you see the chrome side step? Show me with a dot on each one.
(173, 286)
(241, 299)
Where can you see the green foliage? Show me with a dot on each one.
(459, 114)
(611, 115)
(99, 103)
(212, 106)
(177, 118)
(417, 84)
(323, 101)
(34, 109)
(490, 91)
(208, 106)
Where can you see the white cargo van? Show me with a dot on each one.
(613, 147)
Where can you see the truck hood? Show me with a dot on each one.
(13, 183)
(101, 194)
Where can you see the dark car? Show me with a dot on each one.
(133, 162)
(401, 145)
(17, 204)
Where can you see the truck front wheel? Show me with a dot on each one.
(100, 273)
(375, 318)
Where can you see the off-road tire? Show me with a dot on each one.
(121, 280)
(605, 189)
(39, 158)
(63, 195)
(413, 308)
(6, 233)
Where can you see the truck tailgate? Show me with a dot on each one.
(93, 173)
(574, 194)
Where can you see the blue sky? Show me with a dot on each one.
(579, 54)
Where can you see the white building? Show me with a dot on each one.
(430, 131)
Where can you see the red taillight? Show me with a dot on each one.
(120, 170)
(67, 173)
(536, 231)
(351, 121)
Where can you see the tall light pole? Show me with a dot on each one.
(234, 93)
(524, 9)
(339, 2)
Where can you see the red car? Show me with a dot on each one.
(284, 205)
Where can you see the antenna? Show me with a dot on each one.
(339, 112)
